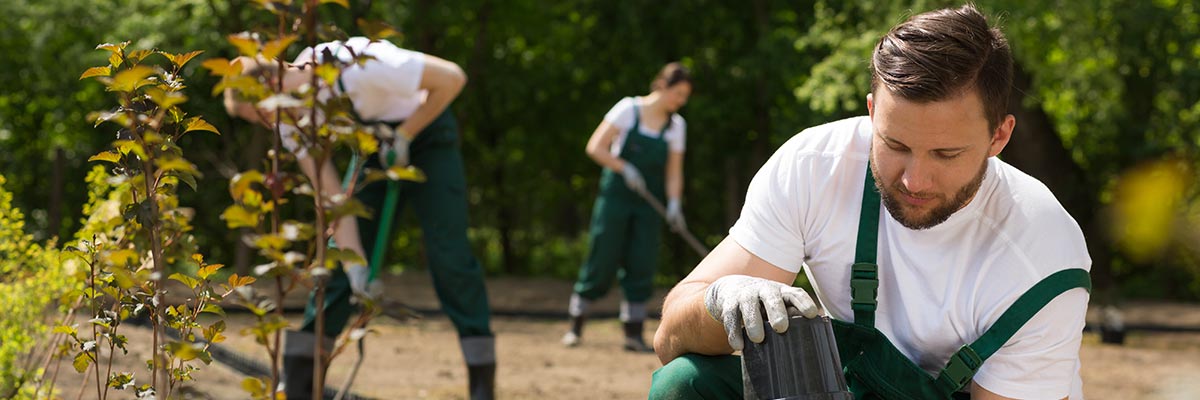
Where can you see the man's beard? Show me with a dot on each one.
(936, 216)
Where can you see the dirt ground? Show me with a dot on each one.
(420, 359)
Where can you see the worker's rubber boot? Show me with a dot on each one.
(633, 314)
(575, 335)
(298, 364)
(575, 309)
(481, 381)
(633, 338)
(480, 354)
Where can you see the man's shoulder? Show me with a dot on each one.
(1026, 212)
(846, 137)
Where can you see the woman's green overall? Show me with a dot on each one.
(625, 230)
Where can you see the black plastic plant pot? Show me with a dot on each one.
(799, 364)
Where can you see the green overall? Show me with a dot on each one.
(441, 207)
(874, 368)
(625, 230)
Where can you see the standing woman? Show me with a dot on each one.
(640, 144)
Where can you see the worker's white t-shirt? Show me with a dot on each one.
(939, 288)
(386, 87)
(621, 116)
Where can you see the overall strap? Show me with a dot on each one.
(969, 358)
(864, 277)
(637, 121)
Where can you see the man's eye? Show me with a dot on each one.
(948, 156)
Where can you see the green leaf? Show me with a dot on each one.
(180, 59)
(164, 98)
(328, 73)
(65, 329)
(121, 257)
(236, 216)
(255, 387)
(236, 281)
(274, 48)
(120, 381)
(96, 71)
(242, 182)
(366, 142)
(184, 351)
(222, 67)
(342, 3)
(332, 256)
(248, 88)
(409, 173)
(245, 44)
(177, 164)
(376, 30)
(130, 79)
(208, 270)
(190, 282)
(214, 309)
(129, 146)
(189, 179)
(115, 48)
(137, 56)
(199, 124)
(109, 156)
(81, 362)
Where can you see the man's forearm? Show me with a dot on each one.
(686, 326)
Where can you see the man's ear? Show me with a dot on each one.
(871, 105)
(1002, 134)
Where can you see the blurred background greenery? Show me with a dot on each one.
(1107, 99)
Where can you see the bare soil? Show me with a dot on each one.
(420, 359)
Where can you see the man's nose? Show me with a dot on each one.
(918, 176)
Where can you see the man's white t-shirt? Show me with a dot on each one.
(939, 288)
(621, 116)
(386, 87)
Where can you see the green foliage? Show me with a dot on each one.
(1117, 79)
(136, 227)
(32, 278)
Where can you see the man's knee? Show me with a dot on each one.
(693, 376)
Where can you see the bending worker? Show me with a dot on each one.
(975, 279)
(640, 144)
(404, 97)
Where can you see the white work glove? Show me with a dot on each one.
(359, 275)
(633, 178)
(675, 215)
(391, 141)
(736, 301)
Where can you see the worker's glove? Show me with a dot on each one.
(675, 215)
(359, 276)
(393, 143)
(737, 302)
(633, 178)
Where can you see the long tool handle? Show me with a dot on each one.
(684, 233)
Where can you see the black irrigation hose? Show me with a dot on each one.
(238, 362)
(433, 312)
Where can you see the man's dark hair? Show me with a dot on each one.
(670, 75)
(940, 55)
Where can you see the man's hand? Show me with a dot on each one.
(633, 178)
(358, 275)
(734, 301)
(392, 143)
(675, 215)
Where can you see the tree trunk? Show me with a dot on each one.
(54, 228)
(1036, 149)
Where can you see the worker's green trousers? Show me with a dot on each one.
(626, 232)
(693, 376)
(441, 206)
